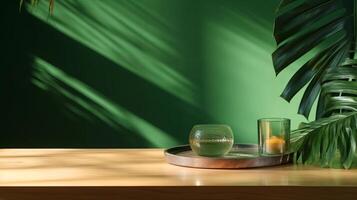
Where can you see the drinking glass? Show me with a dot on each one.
(273, 136)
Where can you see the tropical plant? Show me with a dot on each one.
(324, 33)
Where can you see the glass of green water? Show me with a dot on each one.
(211, 140)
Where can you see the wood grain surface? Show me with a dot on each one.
(136, 173)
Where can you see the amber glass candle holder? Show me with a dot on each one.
(273, 136)
(211, 140)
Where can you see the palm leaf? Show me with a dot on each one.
(339, 91)
(322, 139)
(328, 25)
(327, 30)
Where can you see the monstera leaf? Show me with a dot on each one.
(324, 31)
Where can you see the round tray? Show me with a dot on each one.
(241, 156)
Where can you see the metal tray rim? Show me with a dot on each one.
(224, 162)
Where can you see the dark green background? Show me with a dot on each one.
(140, 73)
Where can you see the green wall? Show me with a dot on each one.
(121, 73)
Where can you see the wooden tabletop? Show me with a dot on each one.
(147, 167)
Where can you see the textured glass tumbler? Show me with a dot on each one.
(273, 136)
(212, 140)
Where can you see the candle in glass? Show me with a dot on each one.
(273, 135)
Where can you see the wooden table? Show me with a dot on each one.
(143, 173)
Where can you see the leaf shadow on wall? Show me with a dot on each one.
(39, 119)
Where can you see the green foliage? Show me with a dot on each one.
(327, 30)
(325, 139)
(339, 90)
